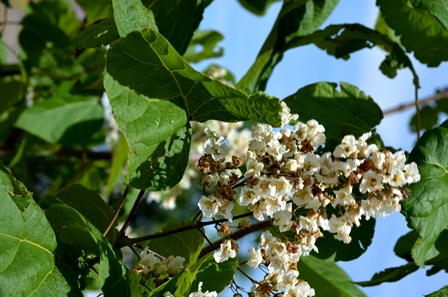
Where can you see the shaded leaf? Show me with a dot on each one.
(327, 278)
(100, 33)
(215, 276)
(258, 7)
(207, 39)
(344, 112)
(186, 244)
(76, 233)
(295, 19)
(361, 239)
(177, 20)
(429, 117)
(390, 275)
(68, 120)
(28, 243)
(384, 29)
(426, 209)
(131, 15)
(90, 205)
(404, 245)
(422, 26)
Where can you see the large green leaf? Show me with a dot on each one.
(258, 7)
(423, 26)
(154, 93)
(131, 15)
(75, 233)
(426, 209)
(157, 134)
(348, 111)
(177, 20)
(327, 278)
(68, 120)
(296, 18)
(90, 205)
(27, 242)
(147, 63)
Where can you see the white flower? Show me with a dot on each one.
(286, 114)
(341, 228)
(173, 264)
(411, 173)
(311, 164)
(396, 177)
(255, 258)
(347, 148)
(168, 294)
(209, 206)
(371, 182)
(344, 196)
(225, 252)
(283, 220)
(199, 293)
(215, 146)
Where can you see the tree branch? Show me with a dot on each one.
(421, 102)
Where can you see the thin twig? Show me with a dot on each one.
(422, 102)
(125, 241)
(132, 213)
(117, 211)
(236, 235)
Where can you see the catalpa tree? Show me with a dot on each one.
(126, 170)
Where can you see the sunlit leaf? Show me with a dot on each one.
(131, 15)
(27, 242)
(426, 209)
(439, 293)
(422, 26)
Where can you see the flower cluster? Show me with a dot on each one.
(151, 265)
(286, 181)
(199, 293)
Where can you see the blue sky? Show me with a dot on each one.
(244, 34)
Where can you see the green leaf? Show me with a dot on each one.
(94, 10)
(68, 120)
(208, 39)
(428, 118)
(215, 276)
(384, 29)
(404, 245)
(439, 293)
(426, 208)
(76, 233)
(158, 154)
(327, 278)
(154, 93)
(90, 205)
(422, 26)
(187, 244)
(258, 7)
(177, 20)
(148, 64)
(27, 242)
(390, 275)
(361, 239)
(296, 18)
(99, 33)
(348, 111)
(131, 15)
